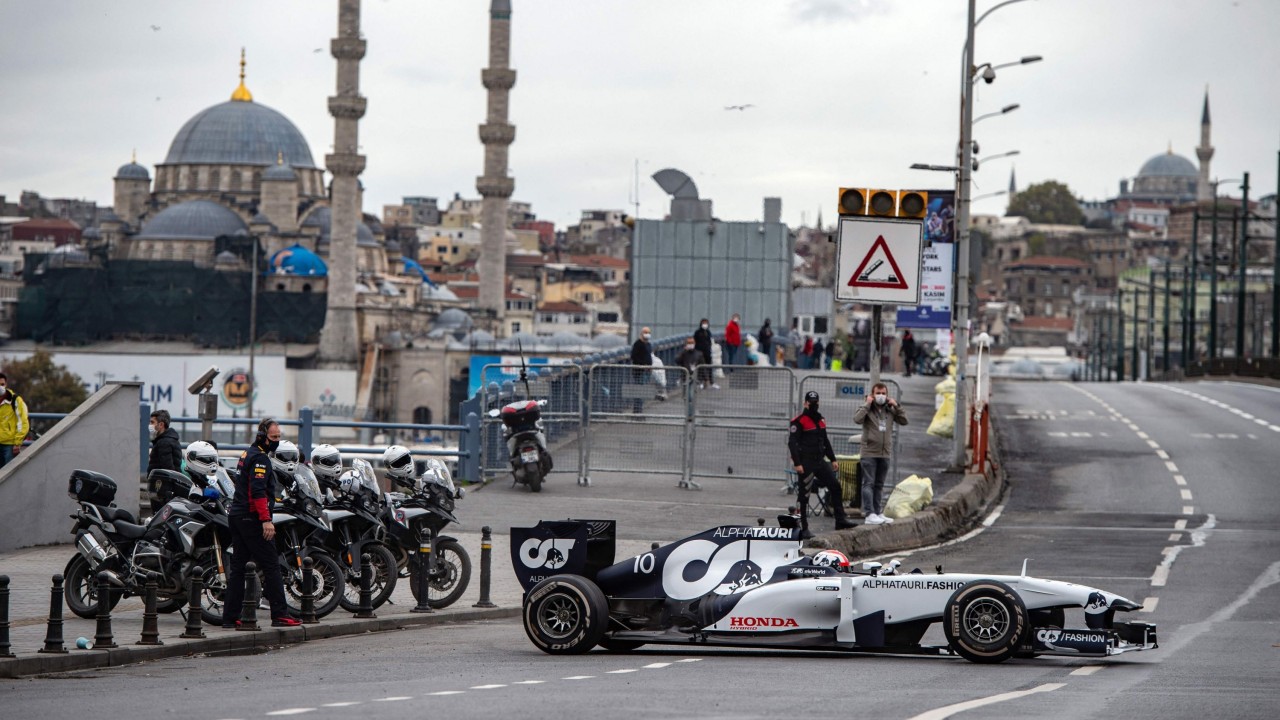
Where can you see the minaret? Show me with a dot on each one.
(494, 186)
(1204, 152)
(1013, 184)
(339, 338)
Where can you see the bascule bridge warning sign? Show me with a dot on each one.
(878, 260)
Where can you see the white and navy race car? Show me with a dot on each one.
(752, 587)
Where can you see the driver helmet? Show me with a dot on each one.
(201, 457)
(285, 458)
(399, 462)
(833, 559)
(326, 462)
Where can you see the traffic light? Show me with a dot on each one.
(883, 203)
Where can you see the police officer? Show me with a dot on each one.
(252, 533)
(811, 454)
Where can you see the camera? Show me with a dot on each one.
(989, 75)
(205, 381)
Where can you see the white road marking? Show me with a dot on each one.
(1186, 494)
(949, 710)
(1149, 604)
(1142, 435)
(448, 692)
(397, 698)
(1246, 416)
(655, 666)
(1188, 510)
(1086, 670)
(578, 677)
(690, 660)
(1228, 436)
(292, 711)
(1179, 479)
(1274, 428)
(1162, 454)
(1180, 524)
(1172, 467)
(348, 703)
(488, 687)
(1160, 576)
(1175, 537)
(1057, 434)
(1201, 435)
(1081, 434)
(620, 672)
(1259, 421)
(986, 523)
(528, 682)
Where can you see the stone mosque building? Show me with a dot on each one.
(1171, 179)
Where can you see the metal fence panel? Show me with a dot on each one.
(840, 395)
(561, 387)
(740, 430)
(637, 418)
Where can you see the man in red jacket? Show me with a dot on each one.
(732, 340)
(252, 532)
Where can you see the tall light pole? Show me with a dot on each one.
(960, 461)
(1244, 262)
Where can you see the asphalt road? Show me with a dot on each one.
(1164, 494)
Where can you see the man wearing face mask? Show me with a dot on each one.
(252, 532)
(702, 341)
(641, 357)
(166, 450)
(876, 417)
(812, 454)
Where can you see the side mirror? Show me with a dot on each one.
(542, 403)
(494, 413)
(461, 492)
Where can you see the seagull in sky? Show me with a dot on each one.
(156, 28)
(318, 50)
(738, 107)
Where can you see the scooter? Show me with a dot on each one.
(526, 437)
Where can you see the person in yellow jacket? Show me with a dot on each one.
(14, 425)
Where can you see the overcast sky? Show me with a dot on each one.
(844, 93)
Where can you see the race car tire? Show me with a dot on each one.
(1050, 618)
(985, 622)
(620, 646)
(565, 615)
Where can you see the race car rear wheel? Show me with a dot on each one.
(565, 615)
(985, 622)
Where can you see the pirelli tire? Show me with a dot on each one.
(985, 622)
(565, 615)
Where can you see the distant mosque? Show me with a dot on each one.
(238, 168)
(1170, 179)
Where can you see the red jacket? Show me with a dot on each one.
(733, 334)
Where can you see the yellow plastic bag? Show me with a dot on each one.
(910, 496)
(836, 366)
(944, 420)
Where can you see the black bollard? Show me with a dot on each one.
(249, 610)
(4, 618)
(423, 579)
(195, 628)
(486, 563)
(365, 609)
(102, 638)
(53, 638)
(150, 618)
(309, 592)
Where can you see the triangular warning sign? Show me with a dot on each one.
(878, 269)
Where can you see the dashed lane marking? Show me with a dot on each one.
(1160, 576)
(292, 711)
(1186, 494)
(1179, 480)
(1149, 604)
(621, 672)
(348, 703)
(1162, 454)
(1086, 670)
(448, 692)
(949, 710)
(1173, 468)
(578, 677)
(1180, 524)
(1175, 537)
(394, 698)
(1188, 510)
(655, 666)
(528, 682)
(488, 687)
(690, 660)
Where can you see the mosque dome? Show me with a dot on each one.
(239, 132)
(453, 318)
(280, 171)
(322, 217)
(1168, 165)
(132, 171)
(297, 260)
(193, 220)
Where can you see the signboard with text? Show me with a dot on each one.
(878, 260)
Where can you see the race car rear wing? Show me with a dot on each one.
(553, 547)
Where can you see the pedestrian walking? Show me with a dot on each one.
(806, 353)
(733, 340)
(252, 532)
(702, 341)
(766, 339)
(14, 424)
(815, 360)
(877, 417)
(813, 456)
(690, 357)
(908, 352)
(831, 352)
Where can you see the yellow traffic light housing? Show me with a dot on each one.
(913, 204)
(882, 203)
(853, 201)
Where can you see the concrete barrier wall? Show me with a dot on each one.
(102, 435)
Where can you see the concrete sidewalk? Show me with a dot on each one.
(648, 508)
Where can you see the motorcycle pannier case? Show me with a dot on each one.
(521, 417)
(165, 485)
(91, 487)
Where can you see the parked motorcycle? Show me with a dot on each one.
(301, 529)
(355, 515)
(187, 531)
(424, 509)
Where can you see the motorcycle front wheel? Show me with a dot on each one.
(383, 584)
(80, 588)
(449, 580)
(328, 577)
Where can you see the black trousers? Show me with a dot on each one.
(247, 543)
(823, 477)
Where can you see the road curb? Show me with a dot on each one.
(955, 513)
(231, 641)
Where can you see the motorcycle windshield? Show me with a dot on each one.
(222, 481)
(438, 474)
(368, 481)
(306, 484)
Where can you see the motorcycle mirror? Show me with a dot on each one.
(494, 412)
(460, 493)
(542, 403)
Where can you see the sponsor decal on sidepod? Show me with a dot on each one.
(761, 622)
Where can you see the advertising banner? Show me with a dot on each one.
(937, 266)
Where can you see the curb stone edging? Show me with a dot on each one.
(233, 641)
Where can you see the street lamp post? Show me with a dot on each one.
(1244, 262)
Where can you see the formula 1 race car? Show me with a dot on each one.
(752, 587)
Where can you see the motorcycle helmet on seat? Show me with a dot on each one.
(286, 457)
(399, 463)
(201, 457)
(326, 463)
(833, 559)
